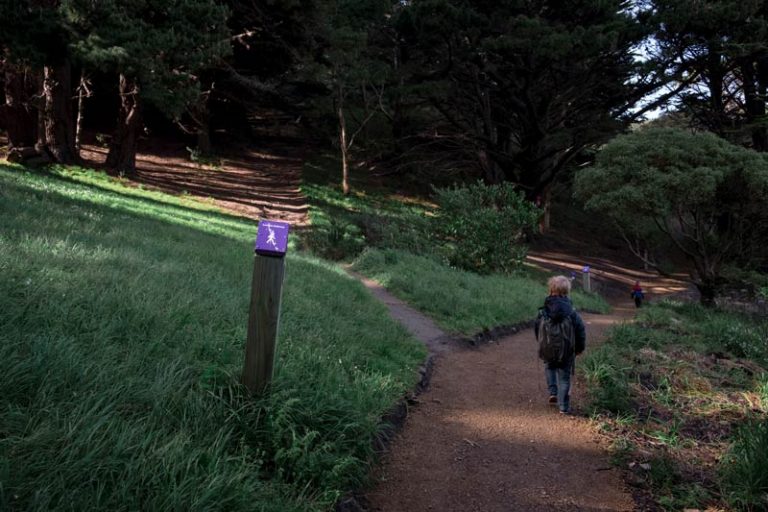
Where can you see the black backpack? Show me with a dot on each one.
(557, 340)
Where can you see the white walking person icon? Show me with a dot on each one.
(271, 237)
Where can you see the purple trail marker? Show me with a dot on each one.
(272, 238)
(264, 312)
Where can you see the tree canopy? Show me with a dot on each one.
(706, 195)
(523, 86)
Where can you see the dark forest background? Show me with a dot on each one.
(519, 91)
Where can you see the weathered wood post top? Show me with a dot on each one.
(266, 294)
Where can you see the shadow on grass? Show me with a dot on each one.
(254, 183)
(130, 203)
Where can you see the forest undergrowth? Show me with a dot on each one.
(122, 328)
(683, 395)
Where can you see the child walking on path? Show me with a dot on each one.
(637, 294)
(560, 328)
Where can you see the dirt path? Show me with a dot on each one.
(483, 437)
(249, 182)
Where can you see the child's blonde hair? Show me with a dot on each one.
(559, 285)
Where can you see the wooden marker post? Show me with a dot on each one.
(586, 279)
(264, 315)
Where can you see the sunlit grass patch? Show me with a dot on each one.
(122, 324)
(461, 301)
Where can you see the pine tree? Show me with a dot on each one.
(355, 77)
(34, 35)
(157, 48)
(523, 87)
(721, 48)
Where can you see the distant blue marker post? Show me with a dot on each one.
(266, 294)
(586, 280)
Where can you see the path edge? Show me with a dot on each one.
(390, 424)
(393, 421)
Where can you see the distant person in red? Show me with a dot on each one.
(637, 294)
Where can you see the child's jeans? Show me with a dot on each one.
(559, 384)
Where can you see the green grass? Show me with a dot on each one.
(744, 469)
(371, 215)
(687, 376)
(460, 301)
(392, 228)
(122, 325)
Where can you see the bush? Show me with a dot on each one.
(483, 226)
(409, 232)
(744, 470)
(336, 239)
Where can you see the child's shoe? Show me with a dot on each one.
(552, 399)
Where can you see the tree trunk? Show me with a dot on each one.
(715, 76)
(59, 119)
(39, 104)
(82, 93)
(42, 144)
(204, 140)
(201, 117)
(546, 205)
(122, 150)
(707, 292)
(344, 149)
(19, 116)
(492, 171)
(760, 134)
(755, 105)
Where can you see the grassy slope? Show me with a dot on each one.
(679, 383)
(461, 301)
(371, 214)
(122, 320)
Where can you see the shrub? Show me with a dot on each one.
(336, 239)
(408, 232)
(483, 226)
(744, 470)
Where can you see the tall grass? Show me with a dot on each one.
(122, 323)
(688, 376)
(605, 373)
(370, 215)
(744, 469)
(711, 330)
(458, 300)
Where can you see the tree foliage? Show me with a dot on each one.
(163, 45)
(157, 47)
(707, 196)
(719, 49)
(484, 225)
(523, 87)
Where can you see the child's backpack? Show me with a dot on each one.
(557, 340)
